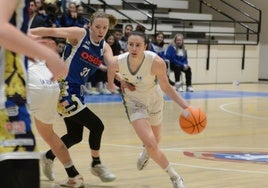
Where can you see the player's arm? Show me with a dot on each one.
(123, 83)
(70, 33)
(13, 39)
(112, 66)
(159, 69)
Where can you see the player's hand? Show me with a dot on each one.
(103, 68)
(185, 67)
(112, 88)
(125, 84)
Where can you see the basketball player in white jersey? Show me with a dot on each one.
(43, 97)
(143, 77)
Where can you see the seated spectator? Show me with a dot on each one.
(111, 40)
(72, 18)
(177, 55)
(61, 42)
(46, 17)
(157, 46)
(37, 18)
(118, 35)
(123, 40)
(140, 28)
(53, 15)
(82, 21)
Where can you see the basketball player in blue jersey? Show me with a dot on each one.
(88, 52)
(19, 159)
(144, 102)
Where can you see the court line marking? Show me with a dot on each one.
(223, 108)
(198, 166)
(191, 148)
(221, 169)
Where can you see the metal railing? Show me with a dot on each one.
(246, 27)
(245, 31)
(150, 17)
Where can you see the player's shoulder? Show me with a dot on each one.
(150, 53)
(123, 55)
(121, 59)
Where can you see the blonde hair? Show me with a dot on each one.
(182, 45)
(111, 18)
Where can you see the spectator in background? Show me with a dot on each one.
(70, 17)
(82, 21)
(123, 40)
(61, 43)
(157, 46)
(49, 16)
(80, 9)
(53, 15)
(40, 7)
(140, 28)
(111, 40)
(118, 34)
(31, 10)
(35, 18)
(177, 55)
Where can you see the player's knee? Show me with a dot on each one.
(76, 139)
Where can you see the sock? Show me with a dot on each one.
(50, 155)
(171, 172)
(70, 169)
(95, 161)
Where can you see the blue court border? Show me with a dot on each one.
(205, 94)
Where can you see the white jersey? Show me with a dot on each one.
(143, 79)
(147, 100)
(43, 93)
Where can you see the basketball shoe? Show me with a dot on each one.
(47, 167)
(75, 182)
(143, 159)
(177, 182)
(179, 86)
(190, 89)
(103, 173)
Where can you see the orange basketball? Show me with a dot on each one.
(193, 120)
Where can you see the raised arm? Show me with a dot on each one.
(70, 33)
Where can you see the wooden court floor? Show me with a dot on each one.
(231, 152)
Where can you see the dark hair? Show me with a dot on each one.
(108, 35)
(128, 25)
(140, 28)
(154, 40)
(142, 35)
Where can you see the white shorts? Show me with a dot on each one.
(150, 108)
(43, 94)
